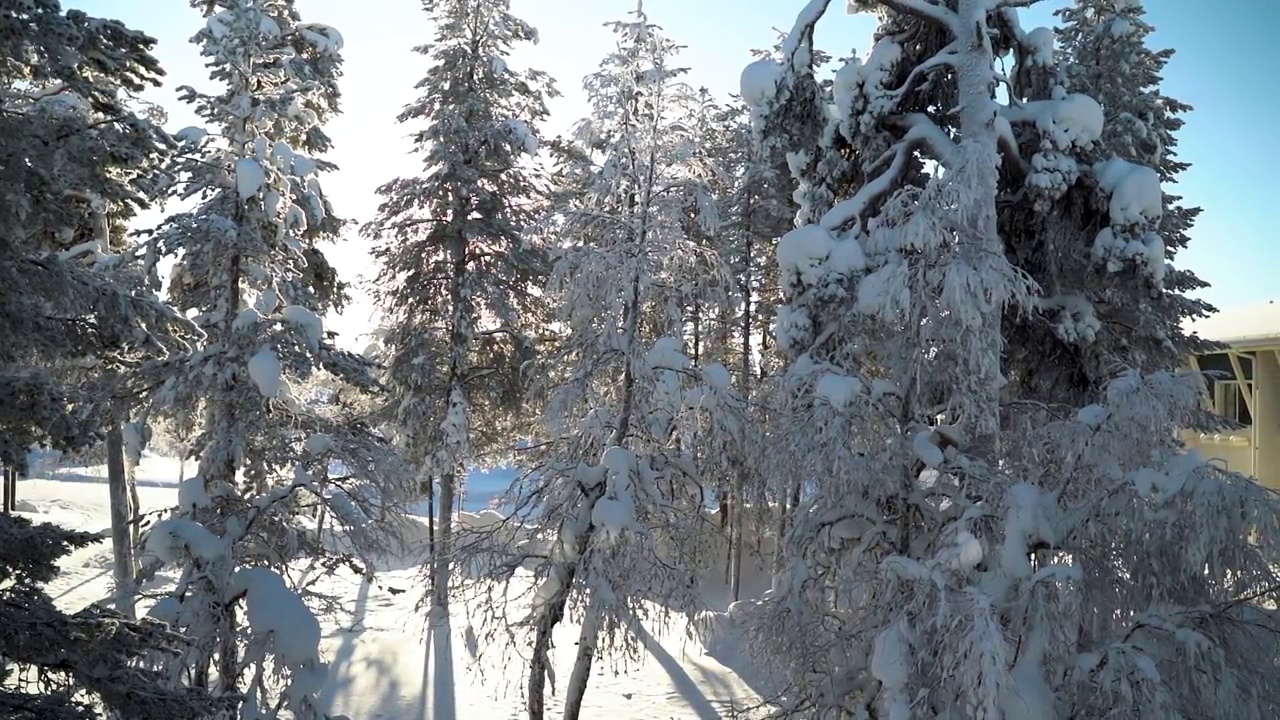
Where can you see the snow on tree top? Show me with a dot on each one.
(793, 46)
(759, 82)
(717, 376)
(522, 136)
(1250, 324)
(323, 37)
(171, 539)
(264, 369)
(307, 320)
(1040, 40)
(1073, 120)
(666, 354)
(1120, 27)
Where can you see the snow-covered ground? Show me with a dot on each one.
(382, 664)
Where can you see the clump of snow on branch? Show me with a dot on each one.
(1135, 204)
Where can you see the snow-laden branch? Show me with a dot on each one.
(945, 58)
(801, 35)
(922, 133)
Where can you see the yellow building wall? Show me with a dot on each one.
(1254, 450)
(1266, 417)
(1230, 451)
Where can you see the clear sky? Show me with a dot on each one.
(1225, 68)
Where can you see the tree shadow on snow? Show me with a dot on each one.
(350, 679)
(699, 704)
(442, 684)
(722, 641)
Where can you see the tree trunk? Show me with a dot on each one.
(456, 425)
(135, 515)
(228, 653)
(778, 548)
(726, 524)
(216, 468)
(577, 689)
(540, 662)
(553, 614)
(441, 560)
(121, 539)
(10, 490)
(431, 519)
(975, 84)
(735, 573)
(744, 389)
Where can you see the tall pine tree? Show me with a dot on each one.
(72, 147)
(967, 547)
(251, 270)
(459, 261)
(1071, 241)
(614, 486)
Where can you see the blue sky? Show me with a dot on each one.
(1224, 68)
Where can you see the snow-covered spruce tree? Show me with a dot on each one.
(1111, 299)
(71, 142)
(1141, 128)
(84, 666)
(459, 267)
(249, 265)
(957, 556)
(98, 155)
(614, 493)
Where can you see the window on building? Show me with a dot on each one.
(1229, 401)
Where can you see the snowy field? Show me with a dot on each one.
(382, 665)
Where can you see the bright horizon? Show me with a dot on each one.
(1218, 69)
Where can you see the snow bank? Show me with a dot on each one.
(378, 664)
